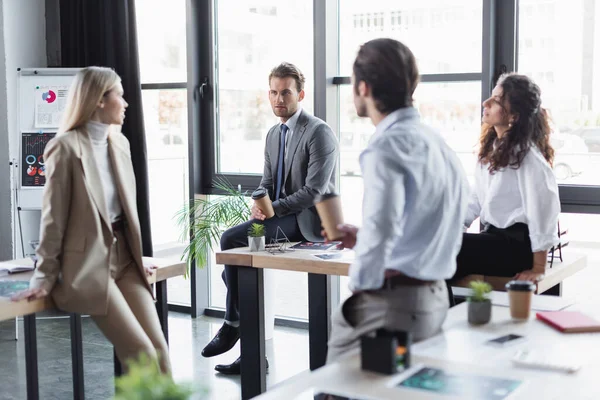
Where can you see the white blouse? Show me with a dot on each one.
(98, 133)
(528, 194)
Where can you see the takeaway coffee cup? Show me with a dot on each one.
(519, 297)
(329, 207)
(262, 201)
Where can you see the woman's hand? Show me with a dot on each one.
(531, 275)
(349, 238)
(30, 294)
(149, 268)
(536, 273)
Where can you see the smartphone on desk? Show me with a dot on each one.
(506, 340)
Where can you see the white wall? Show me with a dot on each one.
(22, 45)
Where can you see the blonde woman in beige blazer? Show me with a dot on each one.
(90, 251)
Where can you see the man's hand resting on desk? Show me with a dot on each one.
(256, 213)
(349, 238)
(30, 294)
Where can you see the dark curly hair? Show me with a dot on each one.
(522, 98)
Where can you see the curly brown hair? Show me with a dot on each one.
(530, 127)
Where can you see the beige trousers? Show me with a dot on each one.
(420, 310)
(131, 323)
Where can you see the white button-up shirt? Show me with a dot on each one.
(528, 194)
(414, 204)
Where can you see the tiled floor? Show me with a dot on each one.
(287, 353)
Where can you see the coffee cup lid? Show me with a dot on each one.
(259, 193)
(520, 286)
(322, 197)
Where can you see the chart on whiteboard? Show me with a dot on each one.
(33, 168)
(50, 102)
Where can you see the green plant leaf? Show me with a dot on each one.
(203, 221)
(479, 290)
(144, 381)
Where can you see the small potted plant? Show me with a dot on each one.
(145, 381)
(256, 237)
(480, 305)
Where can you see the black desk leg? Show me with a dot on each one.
(555, 290)
(77, 356)
(252, 331)
(31, 365)
(319, 313)
(162, 307)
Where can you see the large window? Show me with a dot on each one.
(431, 28)
(252, 37)
(559, 47)
(163, 69)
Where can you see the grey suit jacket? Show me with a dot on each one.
(310, 166)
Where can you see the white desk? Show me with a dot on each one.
(459, 349)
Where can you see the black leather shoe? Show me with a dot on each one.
(223, 341)
(233, 368)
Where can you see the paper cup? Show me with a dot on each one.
(520, 294)
(329, 207)
(262, 201)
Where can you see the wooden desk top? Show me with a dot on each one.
(167, 268)
(304, 261)
(460, 348)
(297, 260)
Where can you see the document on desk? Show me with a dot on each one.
(8, 288)
(469, 386)
(343, 255)
(12, 268)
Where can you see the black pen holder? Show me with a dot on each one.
(385, 352)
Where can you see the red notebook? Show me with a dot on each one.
(569, 321)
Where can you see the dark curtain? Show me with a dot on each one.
(103, 33)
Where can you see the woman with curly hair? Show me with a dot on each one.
(515, 192)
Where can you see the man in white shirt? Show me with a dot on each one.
(414, 204)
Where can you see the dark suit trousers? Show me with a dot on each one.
(494, 252)
(238, 237)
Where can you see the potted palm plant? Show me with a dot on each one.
(480, 305)
(256, 237)
(204, 220)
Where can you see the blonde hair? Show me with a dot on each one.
(86, 91)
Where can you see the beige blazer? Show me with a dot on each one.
(76, 232)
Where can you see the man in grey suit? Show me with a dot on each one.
(301, 154)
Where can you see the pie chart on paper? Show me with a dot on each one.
(49, 96)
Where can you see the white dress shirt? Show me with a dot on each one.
(528, 194)
(98, 133)
(291, 124)
(414, 204)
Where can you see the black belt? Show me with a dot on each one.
(518, 232)
(118, 225)
(402, 280)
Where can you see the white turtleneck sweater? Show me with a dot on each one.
(98, 133)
